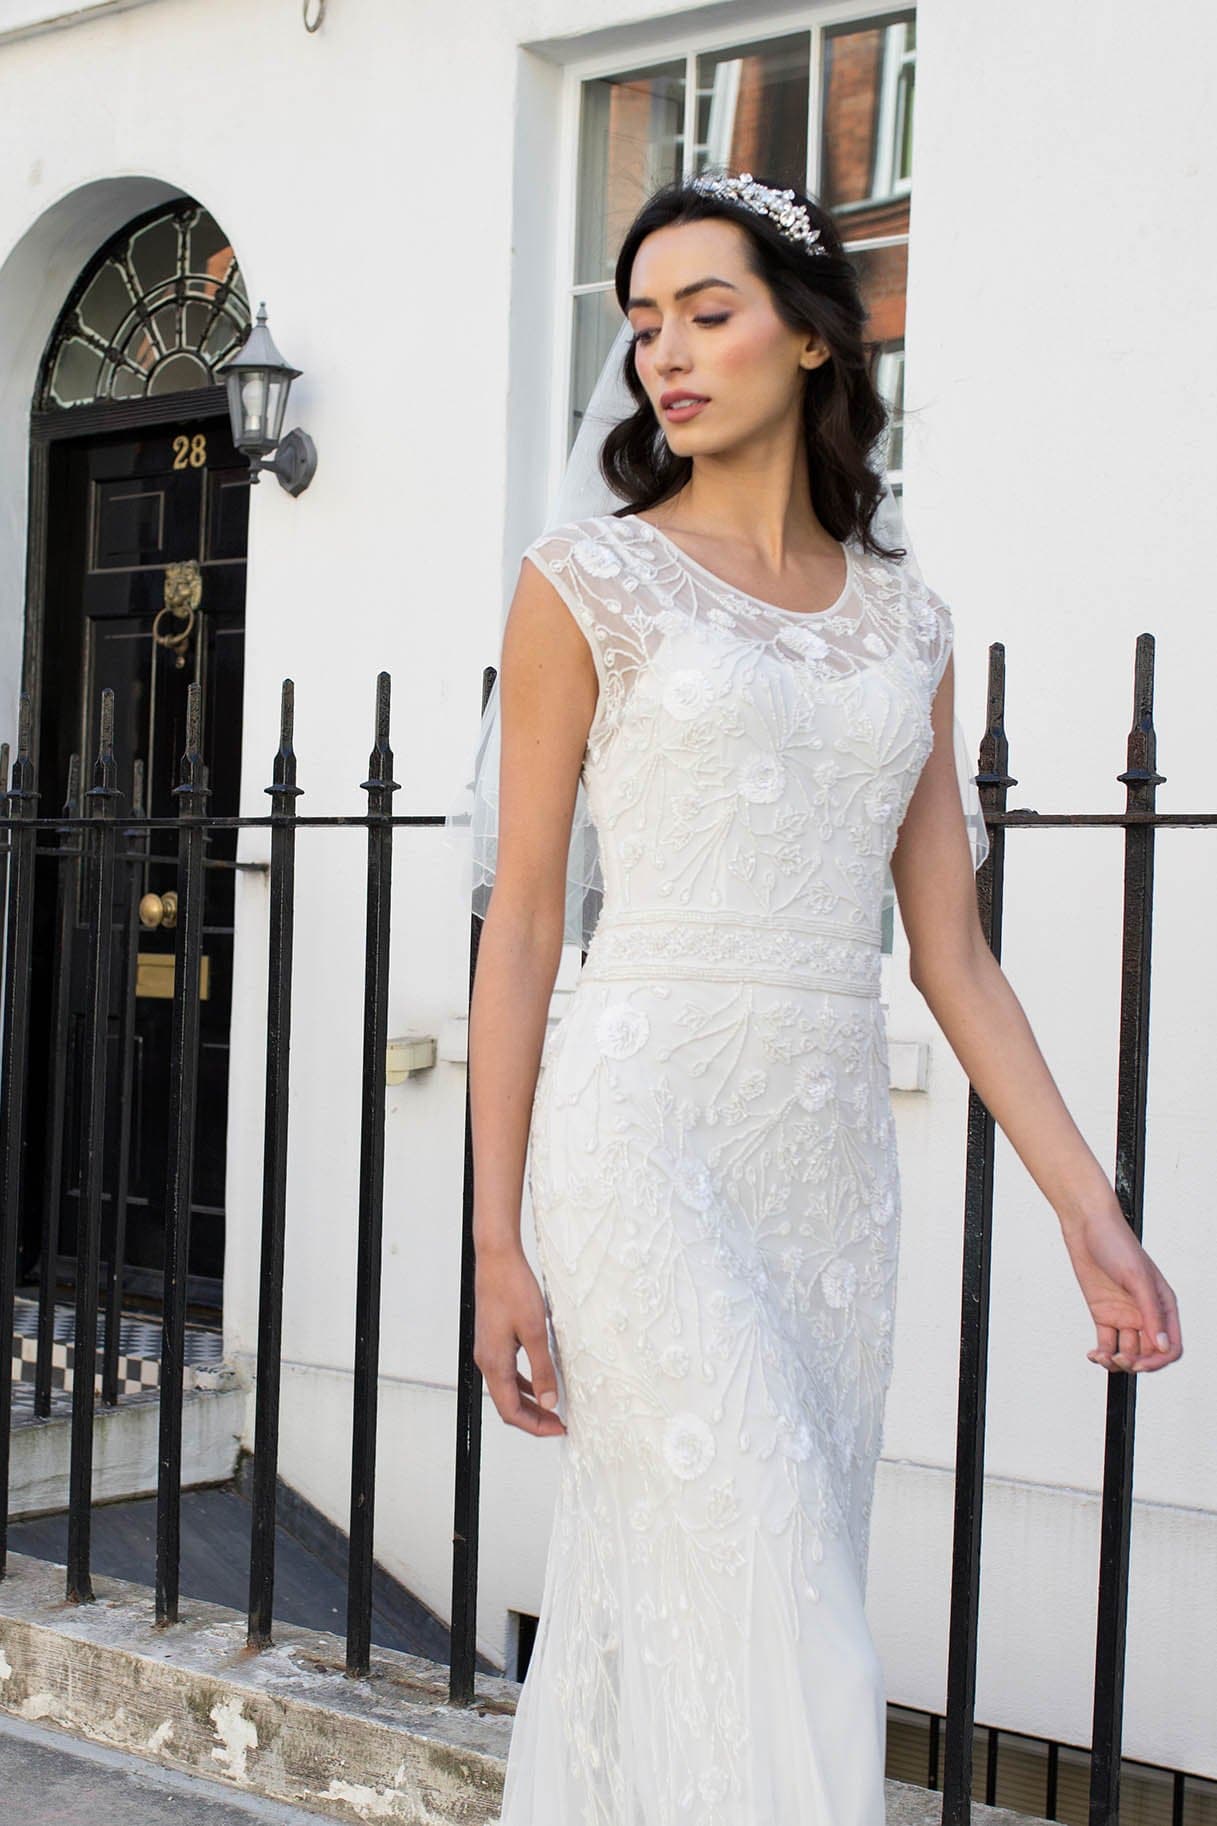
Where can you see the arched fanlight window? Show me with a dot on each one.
(155, 311)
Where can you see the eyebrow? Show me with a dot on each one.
(686, 291)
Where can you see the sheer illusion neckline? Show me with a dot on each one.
(759, 601)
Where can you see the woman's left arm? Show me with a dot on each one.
(1134, 1309)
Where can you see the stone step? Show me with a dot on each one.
(287, 1723)
(125, 1449)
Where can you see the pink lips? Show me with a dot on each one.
(685, 408)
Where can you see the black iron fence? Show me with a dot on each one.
(99, 848)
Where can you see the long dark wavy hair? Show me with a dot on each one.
(844, 415)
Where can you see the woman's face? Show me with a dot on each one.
(721, 341)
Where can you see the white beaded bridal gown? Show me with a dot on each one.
(714, 1184)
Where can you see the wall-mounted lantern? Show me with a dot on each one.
(258, 382)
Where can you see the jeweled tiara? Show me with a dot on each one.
(778, 205)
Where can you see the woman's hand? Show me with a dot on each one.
(509, 1312)
(1134, 1309)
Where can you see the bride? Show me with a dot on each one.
(730, 684)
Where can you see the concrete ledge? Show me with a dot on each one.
(125, 1450)
(907, 1805)
(288, 1723)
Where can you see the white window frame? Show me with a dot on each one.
(893, 92)
(689, 45)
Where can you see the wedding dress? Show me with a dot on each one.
(713, 1178)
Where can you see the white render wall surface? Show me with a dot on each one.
(397, 188)
(24, 18)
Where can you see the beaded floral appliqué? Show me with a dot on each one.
(712, 1168)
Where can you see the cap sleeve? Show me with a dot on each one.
(556, 555)
(592, 576)
(940, 640)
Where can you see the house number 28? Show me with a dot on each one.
(190, 452)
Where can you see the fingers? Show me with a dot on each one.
(1105, 1347)
(1152, 1345)
(1153, 1335)
(1173, 1347)
(1165, 1343)
(512, 1396)
(1128, 1343)
(512, 1315)
(1159, 1340)
(544, 1382)
(516, 1399)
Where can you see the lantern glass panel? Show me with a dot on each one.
(276, 404)
(253, 404)
(236, 416)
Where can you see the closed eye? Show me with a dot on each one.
(643, 335)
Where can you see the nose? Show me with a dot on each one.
(667, 352)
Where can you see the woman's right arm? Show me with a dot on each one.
(547, 699)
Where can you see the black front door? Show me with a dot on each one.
(146, 595)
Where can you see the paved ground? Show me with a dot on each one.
(50, 1779)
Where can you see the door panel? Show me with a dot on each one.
(127, 512)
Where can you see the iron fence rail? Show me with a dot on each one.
(101, 851)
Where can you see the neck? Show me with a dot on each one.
(757, 500)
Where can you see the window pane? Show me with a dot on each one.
(177, 373)
(631, 140)
(210, 252)
(597, 321)
(140, 350)
(866, 128)
(154, 253)
(883, 276)
(752, 102)
(889, 379)
(74, 379)
(221, 339)
(106, 302)
(197, 319)
(165, 323)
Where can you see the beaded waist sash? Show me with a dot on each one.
(803, 952)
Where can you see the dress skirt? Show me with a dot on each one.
(715, 1190)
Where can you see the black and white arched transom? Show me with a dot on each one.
(156, 310)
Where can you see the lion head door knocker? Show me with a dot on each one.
(183, 593)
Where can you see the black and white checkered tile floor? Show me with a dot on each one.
(139, 1357)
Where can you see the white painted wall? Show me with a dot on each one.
(400, 211)
(24, 18)
(1060, 498)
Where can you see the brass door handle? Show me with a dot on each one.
(158, 910)
(183, 593)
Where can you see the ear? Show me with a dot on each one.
(814, 353)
